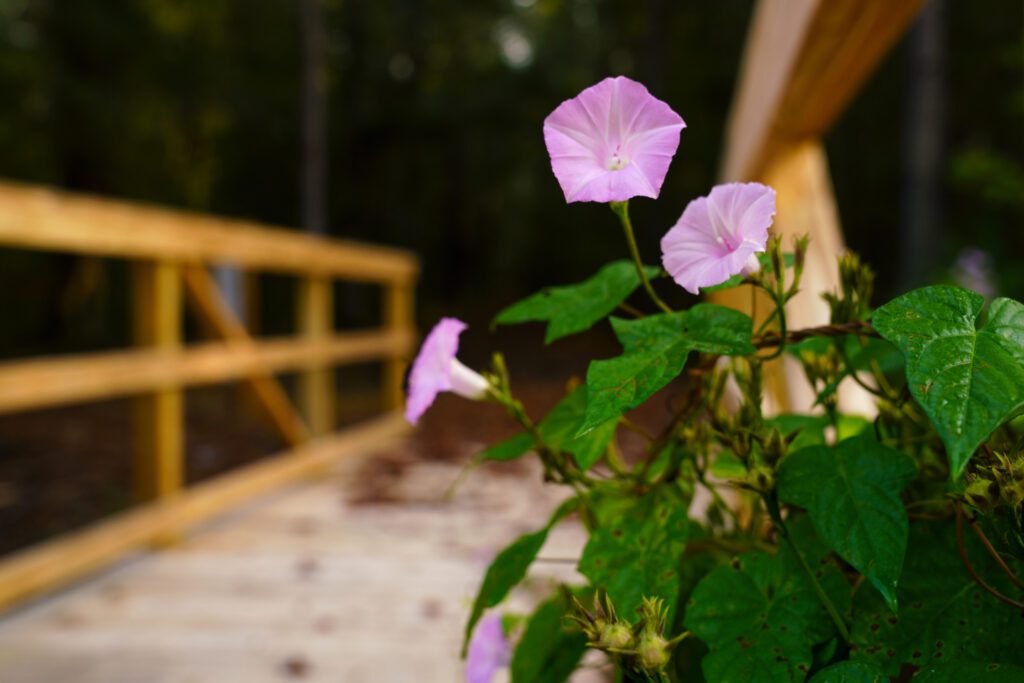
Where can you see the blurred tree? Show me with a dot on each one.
(435, 111)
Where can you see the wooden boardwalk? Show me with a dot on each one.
(304, 585)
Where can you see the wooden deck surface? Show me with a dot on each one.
(305, 585)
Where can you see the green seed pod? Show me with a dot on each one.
(652, 652)
(617, 636)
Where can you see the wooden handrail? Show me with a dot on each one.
(39, 218)
(169, 249)
(37, 383)
(36, 570)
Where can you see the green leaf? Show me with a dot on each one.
(851, 672)
(852, 494)
(975, 672)
(655, 349)
(734, 281)
(509, 449)
(509, 568)
(547, 652)
(760, 616)
(561, 426)
(965, 369)
(575, 308)
(766, 661)
(636, 552)
(944, 615)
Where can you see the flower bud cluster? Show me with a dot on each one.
(997, 484)
(856, 285)
(823, 370)
(641, 647)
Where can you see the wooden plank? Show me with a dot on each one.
(399, 313)
(315, 323)
(38, 218)
(218, 316)
(804, 61)
(36, 570)
(160, 416)
(40, 383)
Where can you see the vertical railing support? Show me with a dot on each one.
(398, 318)
(160, 416)
(316, 322)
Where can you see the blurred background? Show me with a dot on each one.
(417, 123)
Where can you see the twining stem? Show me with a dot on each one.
(621, 210)
(501, 392)
(772, 504)
(774, 339)
(995, 554)
(970, 568)
(781, 297)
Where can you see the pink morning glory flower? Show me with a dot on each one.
(718, 236)
(489, 650)
(436, 369)
(611, 142)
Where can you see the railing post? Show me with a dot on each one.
(316, 323)
(160, 417)
(398, 318)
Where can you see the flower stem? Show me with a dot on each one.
(773, 511)
(621, 209)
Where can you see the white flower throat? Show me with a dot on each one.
(466, 382)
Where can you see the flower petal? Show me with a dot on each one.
(716, 235)
(431, 371)
(489, 650)
(612, 142)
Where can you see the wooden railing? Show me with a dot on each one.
(170, 253)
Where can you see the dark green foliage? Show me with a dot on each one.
(944, 616)
(509, 449)
(852, 495)
(509, 568)
(635, 551)
(549, 650)
(851, 672)
(575, 308)
(560, 430)
(760, 617)
(965, 369)
(655, 349)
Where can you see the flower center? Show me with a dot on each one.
(617, 160)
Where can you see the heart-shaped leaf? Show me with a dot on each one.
(852, 493)
(965, 369)
(575, 308)
(655, 349)
(560, 428)
(636, 552)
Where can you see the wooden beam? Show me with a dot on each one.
(214, 311)
(160, 416)
(38, 218)
(315, 323)
(806, 206)
(399, 314)
(804, 61)
(39, 569)
(30, 384)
